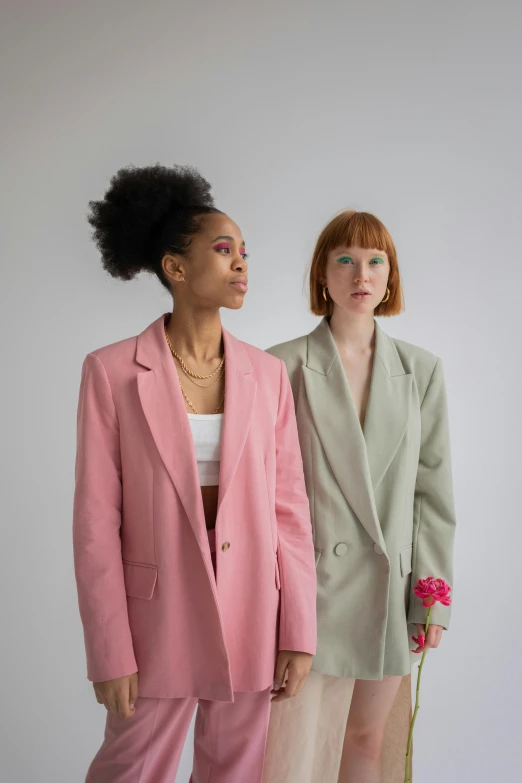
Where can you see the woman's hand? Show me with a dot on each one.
(297, 665)
(119, 695)
(432, 640)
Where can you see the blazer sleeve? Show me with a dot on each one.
(96, 530)
(434, 516)
(298, 625)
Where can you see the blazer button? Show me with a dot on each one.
(225, 546)
(378, 549)
(341, 549)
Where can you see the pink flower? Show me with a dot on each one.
(432, 590)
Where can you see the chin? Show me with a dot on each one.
(359, 307)
(235, 303)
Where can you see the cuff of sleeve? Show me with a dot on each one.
(440, 615)
(114, 671)
(298, 642)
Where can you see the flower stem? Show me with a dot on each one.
(410, 735)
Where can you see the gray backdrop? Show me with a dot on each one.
(293, 110)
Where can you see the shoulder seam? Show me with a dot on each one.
(430, 380)
(93, 353)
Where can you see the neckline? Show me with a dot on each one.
(209, 416)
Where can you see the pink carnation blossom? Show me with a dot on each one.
(432, 590)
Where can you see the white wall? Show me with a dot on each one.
(293, 110)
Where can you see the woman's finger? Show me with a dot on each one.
(98, 697)
(419, 648)
(434, 634)
(280, 672)
(278, 695)
(133, 693)
(102, 699)
(123, 702)
(291, 684)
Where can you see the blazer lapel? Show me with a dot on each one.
(388, 407)
(337, 424)
(240, 394)
(164, 409)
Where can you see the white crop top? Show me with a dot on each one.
(206, 433)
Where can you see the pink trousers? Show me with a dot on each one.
(229, 739)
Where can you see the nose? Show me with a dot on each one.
(361, 273)
(240, 264)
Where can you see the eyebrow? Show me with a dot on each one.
(347, 255)
(230, 239)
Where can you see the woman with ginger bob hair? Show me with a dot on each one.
(373, 430)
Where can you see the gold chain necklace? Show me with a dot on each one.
(189, 402)
(202, 385)
(191, 405)
(184, 366)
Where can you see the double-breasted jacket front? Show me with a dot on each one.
(380, 497)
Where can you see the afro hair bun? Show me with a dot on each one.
(139, 204)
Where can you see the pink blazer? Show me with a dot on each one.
(148, 598)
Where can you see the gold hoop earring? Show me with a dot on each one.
(388, 292)
(325, 295)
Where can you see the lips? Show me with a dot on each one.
(361, 294)
(240, 285)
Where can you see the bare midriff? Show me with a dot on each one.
(210, 503)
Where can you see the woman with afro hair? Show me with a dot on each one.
(193, 548)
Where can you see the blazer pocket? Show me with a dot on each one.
(140, 579)
(318, 553)
(405, 556)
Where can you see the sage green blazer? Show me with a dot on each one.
(381, 498)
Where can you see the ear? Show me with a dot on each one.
(173, 267)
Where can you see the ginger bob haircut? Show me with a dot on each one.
(354, 229)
